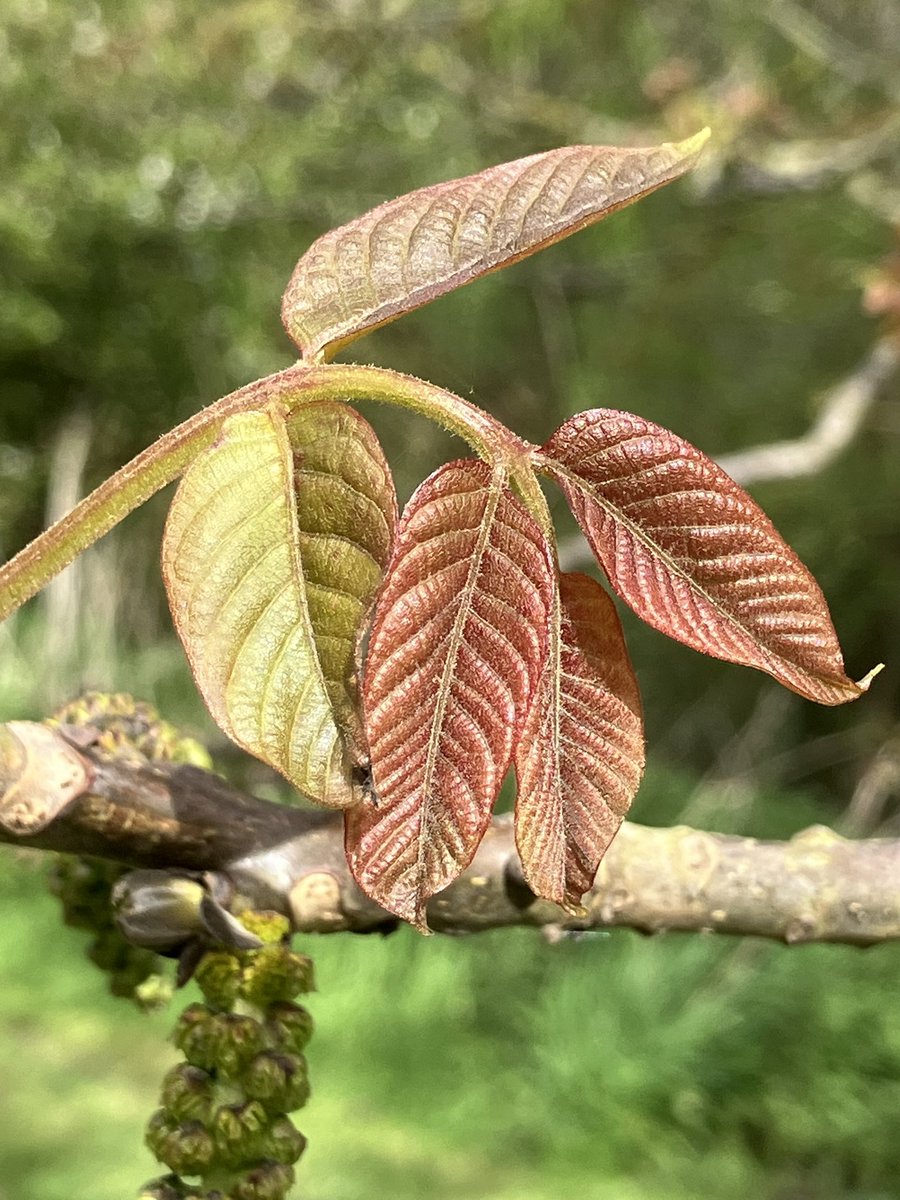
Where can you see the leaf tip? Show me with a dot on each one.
(866, 680)
(420, 922)
(691, 147)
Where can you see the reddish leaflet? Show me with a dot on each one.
(692, 554)
(481, 653)
(409, 251)
(458, 646)
(581, 755)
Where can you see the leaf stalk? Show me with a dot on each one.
(168, 457)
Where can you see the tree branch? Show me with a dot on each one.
(843, 411)
(57, 794)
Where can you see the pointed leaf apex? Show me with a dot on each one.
(419, 922)
(693, 554)
(409, 251)
(866, 680)
(456, 652)
(692, 146)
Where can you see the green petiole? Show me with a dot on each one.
(163, 462)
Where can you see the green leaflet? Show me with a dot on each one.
(346, 517)
(272, 553)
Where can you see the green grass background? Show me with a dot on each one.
(494, 1067)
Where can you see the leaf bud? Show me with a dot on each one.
(187, 1093)
(290, 1026)
(279, 1081)
(158, 909)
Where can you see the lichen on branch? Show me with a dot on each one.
(817, 886)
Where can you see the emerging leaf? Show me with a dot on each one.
(260, 532)
(581, 755)
(457, 648)
(692, 554)
(346, 518)
(409, 251)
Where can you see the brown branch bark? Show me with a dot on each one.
(55, 795)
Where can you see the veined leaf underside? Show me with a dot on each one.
(693, 554)
(581, 755)
(235, 559)
(409, 251)
(346, 512)
(456, 651)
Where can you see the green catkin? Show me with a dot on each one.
(223, 1117)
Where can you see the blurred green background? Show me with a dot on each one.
(163, 165)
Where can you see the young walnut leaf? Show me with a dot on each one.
(457, 648)
(272, 553)
(692, 554)
(581, 754)
(346, 519)
(409, 251)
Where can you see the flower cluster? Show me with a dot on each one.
(222, 1120)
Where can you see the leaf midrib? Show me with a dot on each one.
(494, 489)
(553, 467)
(289, 498)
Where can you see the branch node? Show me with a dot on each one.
(40, 775)
(315, 902)
(173, 820)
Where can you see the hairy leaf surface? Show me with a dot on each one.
(692, 554)
(581, 754)
(457, 648)
(267, 590)
(346, 511)
(409, 251)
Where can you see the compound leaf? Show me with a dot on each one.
(409, 251)
(264, 525)
(692, 554)
(457, 648)
(581, 754)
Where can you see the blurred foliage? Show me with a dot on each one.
(163, 165)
